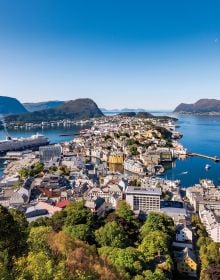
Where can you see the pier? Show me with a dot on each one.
(9, 158)
(69, 134)
(216, 159)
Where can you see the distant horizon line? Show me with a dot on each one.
(136, 109)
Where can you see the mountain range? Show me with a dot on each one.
(10, 105)
(13, 110)
(38, 106)
(202, 106)
(78, 109)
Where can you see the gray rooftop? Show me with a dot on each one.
(143, 190)
(172, 211)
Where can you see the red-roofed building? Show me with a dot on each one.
(62, 204)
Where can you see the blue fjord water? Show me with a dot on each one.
(201, 135)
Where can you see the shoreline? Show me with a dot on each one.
(208, 114)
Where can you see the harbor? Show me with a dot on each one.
(188, 171)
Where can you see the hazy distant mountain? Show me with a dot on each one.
(127, 110)
(133, 110)
(38, 106)
(109, 110)
(202, 106)
(10, 105)
(78, 109)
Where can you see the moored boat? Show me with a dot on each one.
(207, 166)
(16, 144)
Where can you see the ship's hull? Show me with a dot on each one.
(22, 144)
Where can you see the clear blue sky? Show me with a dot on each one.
(149, 54)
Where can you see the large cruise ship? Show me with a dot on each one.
(15, 144)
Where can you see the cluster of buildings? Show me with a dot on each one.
(205, 199)
(140, 145)
(59, 123)
(83, 170)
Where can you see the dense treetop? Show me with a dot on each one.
(76, 244)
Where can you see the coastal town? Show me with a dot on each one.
(109, 140)
(118, 158)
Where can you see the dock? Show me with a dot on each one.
(215, 158)
(9, 158)
(69, 134)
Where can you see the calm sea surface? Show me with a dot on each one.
(201, 135)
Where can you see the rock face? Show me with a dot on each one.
(10, 105)
(32, 107)
(82, 108)
(203, 106)
(78, 109)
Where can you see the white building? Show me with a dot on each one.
(9, 181)
(23, 194)
(144, 199)
(183, 233)
(48, 153)
(73, 162)
(204, 194)
(111, 193)
(96, 152)
(211, 223)
(134, 166)
(96, 206)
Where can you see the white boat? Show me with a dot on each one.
(207, 166)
